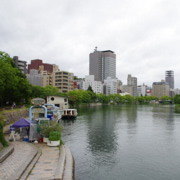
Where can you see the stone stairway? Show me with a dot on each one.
(29, 161)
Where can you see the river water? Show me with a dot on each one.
(125, 143)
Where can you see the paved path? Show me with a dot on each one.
(46, 166)
(14, 165)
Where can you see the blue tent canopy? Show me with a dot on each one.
(21, 123)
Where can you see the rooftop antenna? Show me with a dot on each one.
(95, 49)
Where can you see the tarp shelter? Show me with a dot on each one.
(21, 123)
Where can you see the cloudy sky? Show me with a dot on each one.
(144, 34)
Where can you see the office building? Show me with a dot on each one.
(102, 64)
(169, 77)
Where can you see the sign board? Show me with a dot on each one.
(38, 101)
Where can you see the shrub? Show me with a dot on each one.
(2, 138)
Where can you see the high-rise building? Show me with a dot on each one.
(102, 64)
(169, 77)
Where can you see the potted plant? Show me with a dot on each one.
(54, 138)
(46, 129)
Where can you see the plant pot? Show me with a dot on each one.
(45, 140)
(40, 140)
(53, 143)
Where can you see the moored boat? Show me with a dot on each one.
(69, 114)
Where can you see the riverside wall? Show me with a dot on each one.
(13, 116)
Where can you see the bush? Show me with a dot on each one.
(54, 136)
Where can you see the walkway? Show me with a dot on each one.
(46, 166)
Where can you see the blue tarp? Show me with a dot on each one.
(21, 123)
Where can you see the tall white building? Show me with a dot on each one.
(102, 64)
(110, 86)
(96, 86)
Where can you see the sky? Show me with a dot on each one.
(144, 34)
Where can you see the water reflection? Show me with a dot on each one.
(164, 113)
(101, 130)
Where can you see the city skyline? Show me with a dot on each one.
(143, 34)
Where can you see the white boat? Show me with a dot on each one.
(69, 114)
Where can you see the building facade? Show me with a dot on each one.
(35, 78)
(39, 65)
(63, 80)
(102, 64)
(131, 86)
(160, 89)
(110, 86)
(141, 90)
(96, 86)
(61, 102)
(22, 65)
(169, 78)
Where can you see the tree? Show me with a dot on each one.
(90, 89)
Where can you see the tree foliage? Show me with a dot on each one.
(177, 99)
(14, 86)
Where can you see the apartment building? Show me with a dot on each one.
(63, 80)
(20, 64)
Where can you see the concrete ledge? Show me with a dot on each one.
(69, 166)
(61, 165)
(6, 152)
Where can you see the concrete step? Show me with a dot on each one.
(30, 166)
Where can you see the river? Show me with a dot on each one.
(125, 142)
